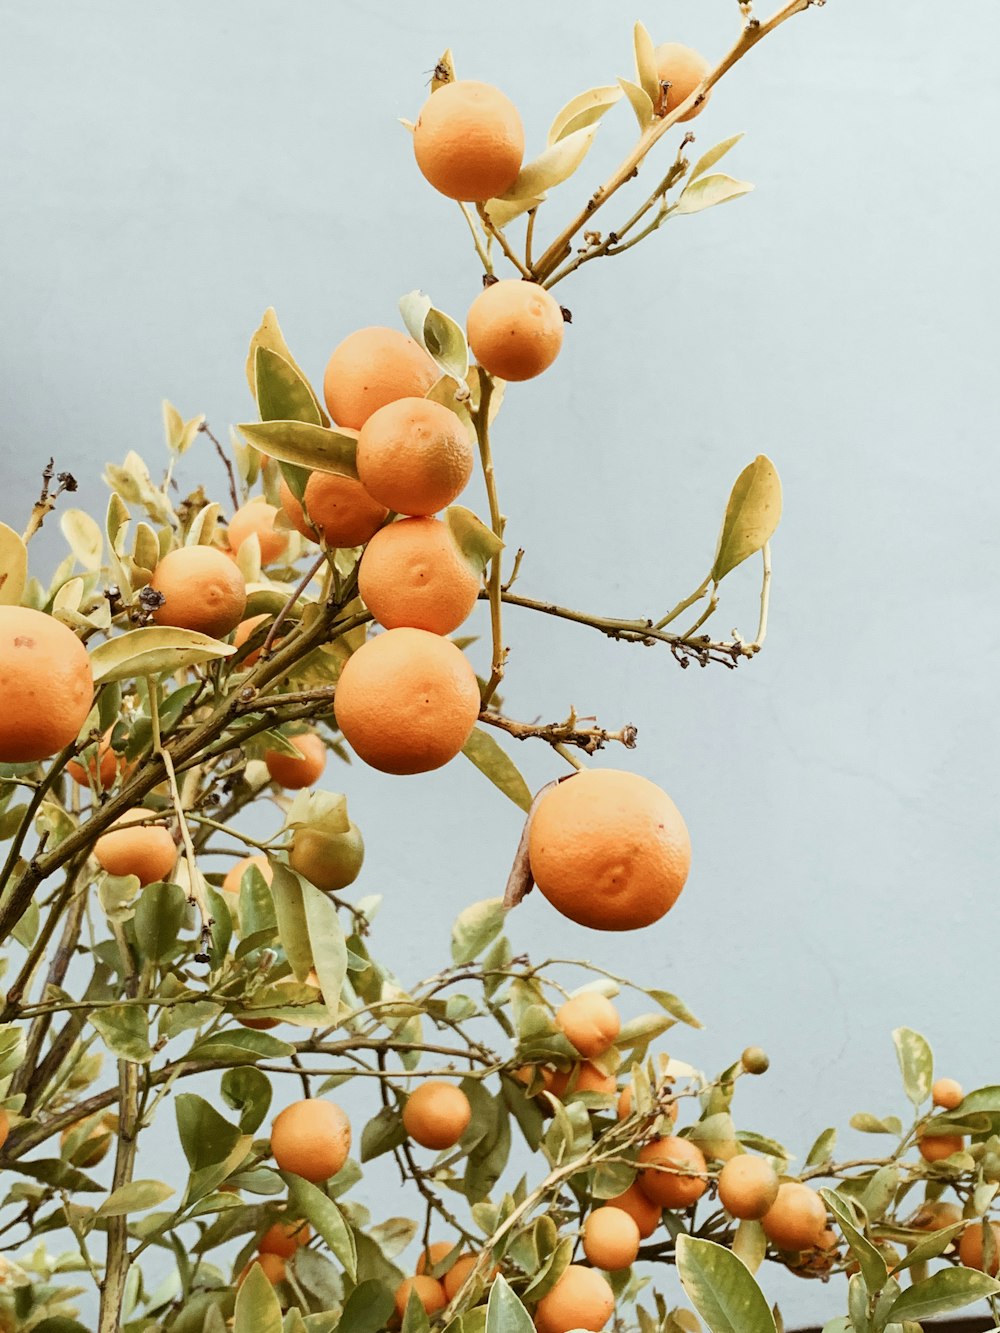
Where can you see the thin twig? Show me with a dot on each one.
(230, 474)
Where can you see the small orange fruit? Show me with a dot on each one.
(515, 329)
(971, 1248)
(4, 1126)
(234, 875)
(683, 69)
(625, 1098)
(272, 1266)
(341, 512)
(945, 1093)
(590, 1022)
(455, 1277)
(244, 631)
(429, 1291)
(149, 852)
(331, 861)
(413, 574)
(436, 1114)
(469, 141)
(95, 1144)
(936, 1147)
(748, 1187)
(414, 455)
(258, 517)
(373, 367)
(609, 850)
(287, 771)
(97, 765)
(644, 1212)
(583, 1078)
(204, 591)
(283, 1238)
(45, 682)
(311, 1138)
(432, 1256)
(936, 1215)
(582, 1298)
(611, 1239)
(664, 1188)
(407, 701)
(797, 1218)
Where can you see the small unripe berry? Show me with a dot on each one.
(754, 1060)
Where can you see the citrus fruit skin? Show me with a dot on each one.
(455, 1277)
(610, 1239)
(45, 682)
(432, 1256)
(515, 329)
(244, 631)
(748, 1187)
(287, 771)
(370, 368)
(936, 1147)
(797, 1218)
(436, 1114)
(284, 1238)
(258, 517)
(971, 1248)
(407, 701)
(204, 591)
(429, 1292)
(149, 853)
(584, 1078)
(273, 1267)
(644, 1212)
(331, 861)
(341, 512)
(590, 1022)
(582, 1298)
(414, 456)
(469, 141)
(934, 1216)
(412, 574)
(311, 1138)
(100, 768)
(234, 875)
(4, 1126)
(672, 1191)
(609, 850)
(947, 1094)
(683, 69)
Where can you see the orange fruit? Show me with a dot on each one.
(970, 1247)
(515, 329)
(582, 1298)
(432, 1256)
(611, 1239)
(414, 455)
(341, 512)
(258, 516)
(609, 849)
(625, 1105)
(149, 852)
(97, 765)
(407, 701)
(283, 1238)
(287, 771)
(934, 1216)
(244, 631)
(234, 875)
(429, 1292)
(683, 69)
(436, 1114)
(797, 1218)
(590, 1022)
(311, 1139)
(584, 1078)
(643, 1211)
(4, 1126)
(455, 1277)
(272, 1265)
(748, 1187)
(936, 1147)
(331, 861)
(45, 683)
(373, 367)
(469, 141)
(672, 1191)
(945, 1093)
(95, 1144)
(204, 591)
(413, 574)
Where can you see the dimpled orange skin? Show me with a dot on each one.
(590, 1022)
(341, 512)
(469, 141)
(936, 1147)
(970, 1247)
(413, 574)
(748, 1187)
(797, 1218)
(311, 1139)
(947, 1094)
(284, 1238)
(258, 517)
(609, 850)
(149, 853)
(287, 771)
(407, 701)
(204, 591)
(272, 1265)
(585, 1078)
(100, 768)
(644, 1212)
(582, 1298)
(45, 682)
(370, 368)
(683, 69)
(414, 456)
(436, 1114)
(515, 329)
(429, 1292)
(611, 1239)
(665, 1188)
(234, 875)
(244, 631)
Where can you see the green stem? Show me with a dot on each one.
(481, 420)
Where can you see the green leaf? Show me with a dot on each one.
(135, 1197)
(206, 1137)
(981, 1099)
(84, 535)
(674, 1006)
(317, 447)
(495, 763)
(326, 942)
(293, 926)
(477, 543)
(822, 1149)
(936, 1243)
(916, 1064)
(708, 191)
(752, 516)
(283, 392)
(750, 1244)
(240, 1044)
(552, 166)
(713, 155)
(870, 1259)
(383, 1132)
(504, 1312)
(415, 1316)
(475, 929)
(125, 1032)
(152, 651)
(867, 1123)
(646, 73)
(269, 335)
(311, 1203)
(159, 915)
(257, 1309)
(950, 1289)
(368, 1308)
(721, 1288)
(13, 566)
(583, 110)
(639, 100)
(437, 333)
(248, 1092)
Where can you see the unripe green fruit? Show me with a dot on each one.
(754, 1060)
(329, 860)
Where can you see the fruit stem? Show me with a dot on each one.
(484, 257)
(481, 421)
(504, 244)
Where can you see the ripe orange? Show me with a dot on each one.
(341, 512)
(469, 141)
(683, 69)
(311, 1139)
(234, 875)
(455, 1277)
(797, 1218)
(643, 1211)
(287, 771)
(609, 850)
(429, 1292)
(45, 683)
(934, 1216)
(611, 1239)
(204, 591)
(283, 1238)
(413, 574)
(244, 631)
(584, 1078)
(582, 1298)
(272, 1265)
(331, 861)
(407, 701)
(257, 516)
(432, 1256)
(436, 1114)
(414, 455)
(945, 1093)
(936, 1147)
(4, 1126)
(590, 1022)
(150, 852)
(373, 367)
(970, 1247)
(748, 1187)
(515, 329)
(672, 1191)
(98, 765)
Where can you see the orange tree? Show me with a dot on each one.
(181, 665)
